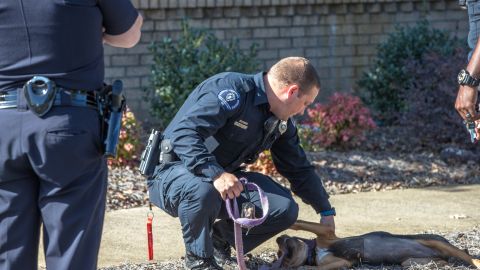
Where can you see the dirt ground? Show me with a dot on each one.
(441, 209)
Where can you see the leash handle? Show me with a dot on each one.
(150, 235)
(248, 223)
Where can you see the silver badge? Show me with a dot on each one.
(282, 127)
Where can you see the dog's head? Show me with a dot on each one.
(293, 251)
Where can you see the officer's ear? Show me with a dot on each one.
(292, 91)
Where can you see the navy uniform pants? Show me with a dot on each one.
(52, 172)
(473, 7)
(198, 204)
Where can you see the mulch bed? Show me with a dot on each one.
(342, 172)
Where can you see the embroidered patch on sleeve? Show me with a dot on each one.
(229, 99)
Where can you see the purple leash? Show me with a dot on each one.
(245, 222)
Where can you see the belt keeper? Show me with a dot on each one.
(66, 98)
(21, 101)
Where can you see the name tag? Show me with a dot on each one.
(241, 124)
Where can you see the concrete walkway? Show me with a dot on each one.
(444, 209)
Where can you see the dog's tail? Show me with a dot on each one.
(449, 250)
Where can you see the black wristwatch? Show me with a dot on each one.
(464, 78)
(330, 212)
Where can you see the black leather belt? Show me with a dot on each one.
(63, 97)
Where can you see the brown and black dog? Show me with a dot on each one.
(328, 251)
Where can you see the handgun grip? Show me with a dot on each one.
(117, 97)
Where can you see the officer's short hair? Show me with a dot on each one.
(296, 70)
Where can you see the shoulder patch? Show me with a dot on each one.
(229, 98)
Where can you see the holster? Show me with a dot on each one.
(150, 156)
(156, 152)
(111, 103)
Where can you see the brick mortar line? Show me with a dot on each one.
(147, 4)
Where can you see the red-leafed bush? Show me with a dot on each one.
(341, 122)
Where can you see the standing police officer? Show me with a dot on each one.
(52, 170)
(469, 77)
(221, 125)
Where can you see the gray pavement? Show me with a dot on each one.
(442, 209)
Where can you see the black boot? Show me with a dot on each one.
(222, 252)
(195, 262)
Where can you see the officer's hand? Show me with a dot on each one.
(329, 221)
(466, 101)
(228, 184)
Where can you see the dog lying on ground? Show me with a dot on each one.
(328, 251)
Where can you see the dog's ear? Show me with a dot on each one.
(281, 239)
(285, 249)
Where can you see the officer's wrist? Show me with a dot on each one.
(216, 177)
(210, 170)
(330, 212)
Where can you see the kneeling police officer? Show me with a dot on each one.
(226, 121)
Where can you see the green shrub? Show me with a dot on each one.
(383, 86)
(129, 142)
(306, 135)
(179, 66)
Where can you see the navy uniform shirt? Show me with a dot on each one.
(222, 123)
(60, 39)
